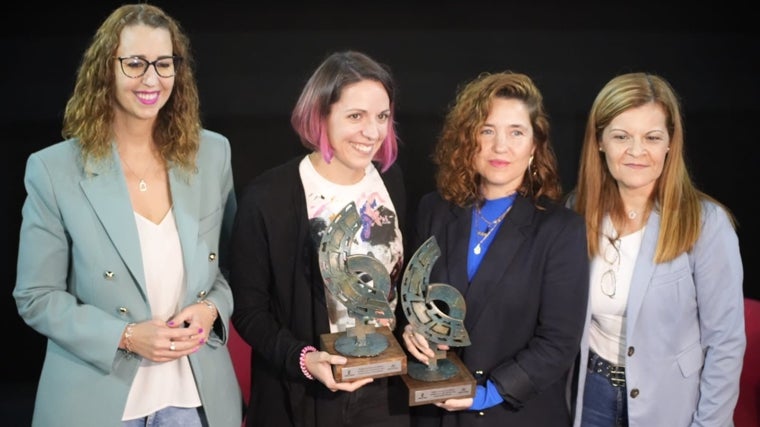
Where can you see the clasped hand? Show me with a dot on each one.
(183, 334)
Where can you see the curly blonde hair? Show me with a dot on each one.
(457, 179)
(90, 109)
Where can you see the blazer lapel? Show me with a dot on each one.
(493, 267)
(185, 204)
(457, 238)
(106, 190)
(643, 271)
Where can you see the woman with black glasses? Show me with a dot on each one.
(122, 226)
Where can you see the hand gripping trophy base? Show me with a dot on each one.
(460, 385)
(439, 369)
(361, 341)
(389, 362)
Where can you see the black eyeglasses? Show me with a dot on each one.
(134, 66)
(611, 256)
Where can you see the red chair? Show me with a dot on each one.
(240, 352)
(747, 412)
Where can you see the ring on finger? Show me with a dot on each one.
(172, 347)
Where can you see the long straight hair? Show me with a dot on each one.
(675, 196)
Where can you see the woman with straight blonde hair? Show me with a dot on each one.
(664, 338)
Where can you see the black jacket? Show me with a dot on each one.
(525, 311)
(280, 299)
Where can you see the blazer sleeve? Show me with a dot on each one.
(550, 353)
(220, 293)
(718, 277)
(44, 298)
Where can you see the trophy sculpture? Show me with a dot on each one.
(445, 376)
(371, 351)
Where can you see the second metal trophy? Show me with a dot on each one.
(435, 310)
(360, 283)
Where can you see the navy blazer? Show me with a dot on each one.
(80, 280)
(525, 307)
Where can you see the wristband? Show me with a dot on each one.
(302, 361)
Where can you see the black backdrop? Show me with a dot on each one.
(253, 61)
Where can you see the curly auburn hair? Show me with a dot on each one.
(457, 179)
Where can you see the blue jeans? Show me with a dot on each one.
(171, 416)
(604, 405)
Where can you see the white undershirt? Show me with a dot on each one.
(159, 385)
(608, 314)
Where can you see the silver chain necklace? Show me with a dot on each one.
(490, 227)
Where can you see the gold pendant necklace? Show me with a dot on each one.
(141, 184)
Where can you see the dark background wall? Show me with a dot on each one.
(253, 61)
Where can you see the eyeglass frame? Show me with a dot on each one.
(610, 272)
(175, 59)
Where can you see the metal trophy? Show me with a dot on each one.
(371, 351)
(437, 312)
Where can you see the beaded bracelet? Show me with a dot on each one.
(128, 337)
(302, 361)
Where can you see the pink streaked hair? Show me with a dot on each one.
(325, 87)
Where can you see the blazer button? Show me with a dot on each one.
(481, 413)
(109, 274)
(123, 310)
(635, 393)
(630, 351)
(211, 256)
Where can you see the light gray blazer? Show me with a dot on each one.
(685, 334)
(80, 280)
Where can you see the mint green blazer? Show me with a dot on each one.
(80, 280)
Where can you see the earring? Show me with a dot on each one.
(530, 164)
(600, 148)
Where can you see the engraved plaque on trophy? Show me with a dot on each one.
(435, 310)
(361, 283)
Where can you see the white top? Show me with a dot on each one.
(379, 235)
(608, 314)
(159, 385)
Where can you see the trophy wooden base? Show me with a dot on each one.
(390, 362)
(461, 385)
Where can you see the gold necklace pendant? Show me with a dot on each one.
(142, 185)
